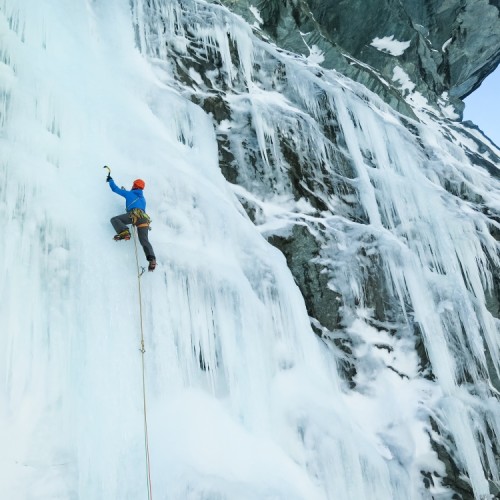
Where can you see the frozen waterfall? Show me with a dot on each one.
(245, 400)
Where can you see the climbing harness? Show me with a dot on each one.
(140, 218)
(140, 272)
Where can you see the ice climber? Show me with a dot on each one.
(135, 204)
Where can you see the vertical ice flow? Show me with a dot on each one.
(244, 401)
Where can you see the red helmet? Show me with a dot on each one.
(138, 184)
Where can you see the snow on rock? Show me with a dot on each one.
(389, 45)
(402, 78)
(445, 44)
(315, 55)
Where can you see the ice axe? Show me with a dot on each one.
(109, 172)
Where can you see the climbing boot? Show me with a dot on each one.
(124, 235)
(152, 264)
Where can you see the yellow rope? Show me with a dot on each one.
(143, 350)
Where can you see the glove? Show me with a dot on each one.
(109, 178)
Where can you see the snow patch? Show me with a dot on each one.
(390, 46)
(445, 44)
(315, 55)
(256, 13)
(447, 109)
(400, 76)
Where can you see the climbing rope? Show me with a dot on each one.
(140, 272)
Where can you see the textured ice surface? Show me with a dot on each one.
(245, 402)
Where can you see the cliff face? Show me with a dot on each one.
(445, 47)
(364, 213)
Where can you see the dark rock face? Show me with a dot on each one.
(301, 249)
(473, 32)
(452, 45)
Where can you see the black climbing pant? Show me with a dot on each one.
(120, 223)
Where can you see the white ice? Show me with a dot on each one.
(244, 400)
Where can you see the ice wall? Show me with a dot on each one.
(244, 400)
(400, 212)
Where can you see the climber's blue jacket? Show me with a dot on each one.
(133, 199)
